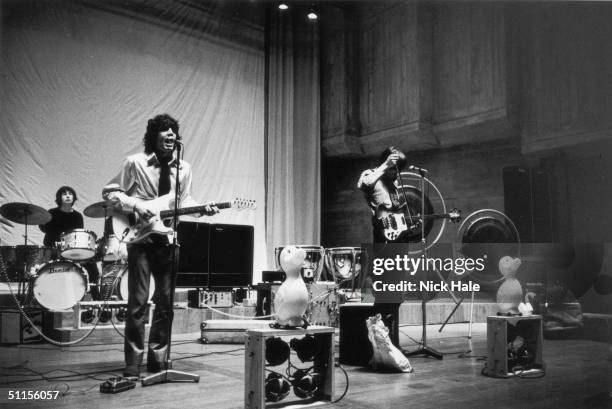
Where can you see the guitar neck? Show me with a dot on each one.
(437, 216)
(166, 214)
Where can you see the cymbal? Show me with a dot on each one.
(99, 209)
(5, 221)
(23, 213)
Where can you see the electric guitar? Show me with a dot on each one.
(131, 228)
(395, 223)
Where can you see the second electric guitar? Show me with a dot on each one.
(396, 223)
(130, 228)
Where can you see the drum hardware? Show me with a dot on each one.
(487, 231)
(78, 245)
(98, 210)
(26, 214)
(313, 263)
(424, 349)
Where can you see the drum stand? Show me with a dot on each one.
(424, 349)
(171, 375)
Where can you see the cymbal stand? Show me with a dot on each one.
(22, 286)
(424, 349)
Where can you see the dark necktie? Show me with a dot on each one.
(164, 178)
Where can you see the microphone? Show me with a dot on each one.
(418, 169)
(178, 141)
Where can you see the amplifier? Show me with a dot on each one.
(15, 329)
(202, 298)
(106, 313)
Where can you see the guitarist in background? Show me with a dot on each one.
(146, 176)
(380, 188)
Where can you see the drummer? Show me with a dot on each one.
(63, 217)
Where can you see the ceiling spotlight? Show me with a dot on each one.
(312, 15)
(283, 6)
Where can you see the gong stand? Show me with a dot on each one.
(424, 349)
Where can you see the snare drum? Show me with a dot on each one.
(78, 244)
(60, 284)
(112, 249)
(313, 263)
(344, 263)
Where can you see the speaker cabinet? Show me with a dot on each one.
(193, 239)
(230, 256)
(15, 329)
(527, 203)
(215, 255)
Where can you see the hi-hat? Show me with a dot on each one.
(99, 209)
(25, 213)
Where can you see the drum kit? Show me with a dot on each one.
(55, 276)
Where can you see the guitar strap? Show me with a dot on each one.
(401, 183)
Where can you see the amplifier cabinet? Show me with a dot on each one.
(15, 329)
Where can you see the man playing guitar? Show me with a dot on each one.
(143, 178)
(381, 190)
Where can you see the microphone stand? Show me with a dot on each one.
(424, 350)
(171, 375)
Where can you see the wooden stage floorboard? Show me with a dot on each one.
(577, 376)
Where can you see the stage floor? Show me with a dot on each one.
(578, 375)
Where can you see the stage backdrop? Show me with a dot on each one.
(80, 80)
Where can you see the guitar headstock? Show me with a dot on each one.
(454, 215)
(244, 204)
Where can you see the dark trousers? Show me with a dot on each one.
(144, 260)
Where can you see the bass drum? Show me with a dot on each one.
(60, 284)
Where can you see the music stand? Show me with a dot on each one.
(171, 375)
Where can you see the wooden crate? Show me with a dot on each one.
(499, 331)
(255, 363)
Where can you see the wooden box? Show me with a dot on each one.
(504, 335)
(255, 364)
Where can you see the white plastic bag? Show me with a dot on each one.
(386, 356)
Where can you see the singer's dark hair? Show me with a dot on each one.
(156, 125)
(385, 154)
(60, 192)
